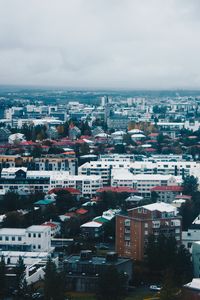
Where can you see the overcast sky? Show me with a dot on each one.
(134, 44)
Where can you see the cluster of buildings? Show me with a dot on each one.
(143, 168)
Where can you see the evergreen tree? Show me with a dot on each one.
(190, 185)
(20, 276)
(54, 282)
(112, 285)
(2, 278)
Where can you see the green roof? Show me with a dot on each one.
(44, 202)
(101, 220)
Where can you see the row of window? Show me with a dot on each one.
(10, 238)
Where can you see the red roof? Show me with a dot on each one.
(81, 211)
(150, 150)
(70, 214)
(153, 134)
(121, 189)
(52, 225)
(68, 189)
(186, 197)
(170, 188)
(28, 143)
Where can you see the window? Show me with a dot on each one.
(7, 238)
(39, 246)
(34, 235)
(19, 238)
(146, 225)
(29, 235)
(0, 238)
(13, 238)
(34, 247)
(39, 235)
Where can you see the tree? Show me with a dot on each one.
(168, 291)
(54, 282)
(190, 185)
(2, 278)
(14, 219)
(183, 266)
(154, 196)
(64, 201)
(111, 285)
(10, 202)
(21, 284)
(163, 254)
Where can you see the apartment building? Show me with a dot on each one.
(67, 162)
(23, 181)
(104, 168)
(34, 238)
(143, 183)
(132, 230)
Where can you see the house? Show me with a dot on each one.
(92, 230)
(82, 271)
(16, 138)
(55, 227)
(44, 203)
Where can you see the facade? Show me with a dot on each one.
(83, 270)
(34, 238)
(22, 181)
(189, 237)
(132, 230)
(196, 259)
(104, 167)
(167, 193)
(46, 163)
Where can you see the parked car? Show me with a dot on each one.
(155, 288)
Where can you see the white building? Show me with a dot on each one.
(143, 183)
(104, 166)
(34, 262)
(34, 238)
(189, 237)
(196, 259)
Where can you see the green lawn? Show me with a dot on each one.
(138, 294)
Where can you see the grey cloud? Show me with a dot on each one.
(100, 43)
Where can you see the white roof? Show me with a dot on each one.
(137, 135)
(91, 224)
(154, 177)
(120, 132)
(13, 170)
(160, 206)
(12, 231)
(194, 284)
(37, 228)
(102, 135)
(135, 131)
(121, 173)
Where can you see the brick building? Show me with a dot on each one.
(132, 230)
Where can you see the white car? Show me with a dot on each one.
(155, 288)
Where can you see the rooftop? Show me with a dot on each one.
(169, 188)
